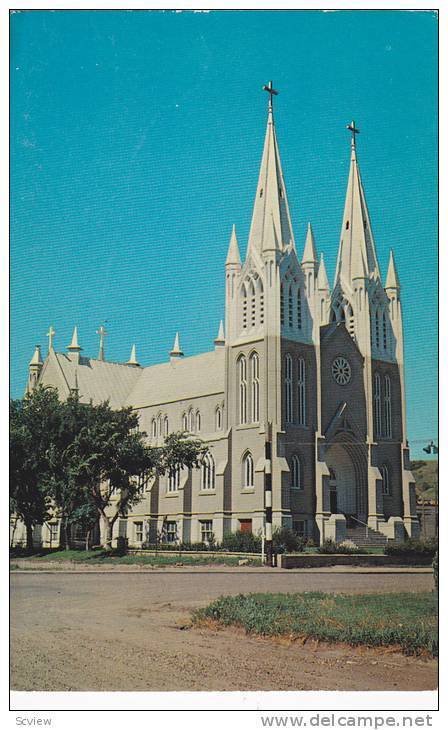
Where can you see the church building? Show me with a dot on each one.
(315, 371)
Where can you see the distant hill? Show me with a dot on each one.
(426, 474)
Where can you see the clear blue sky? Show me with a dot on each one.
(136, 142)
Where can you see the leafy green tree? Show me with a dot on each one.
(33, 422)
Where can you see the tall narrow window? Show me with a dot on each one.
(296, 473)
(218, 418)
(299, 309)
(377, 329)
(165, 426)
(248, 470)
(191, 421)
(288, 389)
(301, 391)
(377, 404)
(386, 479)
(184, 422)
(198, 421)
(208, 473)
(154, 428)
(253, 308)
(387, 408)
(242, 375)
(174, 479)
(384, 331)
(261, 290)
(282, 304)
(159, 425)
(290, 308)
(244, 298)
(255, 384)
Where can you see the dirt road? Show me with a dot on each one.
(118, 631)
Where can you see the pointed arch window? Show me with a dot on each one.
(208, 473)
(299, 308)
(159, 425)
(377, 404)
(184, 422)
(301, 391)
(386, 479)
(248, 471)
(165, 426)
(255, 386)
(154, 428)
(253, 308)
(242, 389)
(387, 408)
(296, 473)
(198, 421)
(288, 389)
(191, 421)
(218, 418)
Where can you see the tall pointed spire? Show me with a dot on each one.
(271, 204)
(322, 278)
(101, 331)
(357, 247)
(309, 252)
(233, 254)
(392, 280)
(74, 345)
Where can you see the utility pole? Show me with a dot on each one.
(268, 494)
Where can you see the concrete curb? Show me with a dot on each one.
(254, 571)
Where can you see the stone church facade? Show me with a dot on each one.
(315, 370)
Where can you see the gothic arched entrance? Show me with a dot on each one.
(347, 464)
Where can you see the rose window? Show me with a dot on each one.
(341, 371)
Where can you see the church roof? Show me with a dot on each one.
(98, 380)
(356, 253)
(271, 221)
(183, 379)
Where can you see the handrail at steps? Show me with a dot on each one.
(361, 523)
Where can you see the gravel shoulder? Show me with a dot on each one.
(129, 631)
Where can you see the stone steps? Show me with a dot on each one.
(372, 539)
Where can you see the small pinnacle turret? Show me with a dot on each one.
(392, 280)
(220, 340)
(322, 278)
(176, 352)
(74, 345)
(133, 358)
(101, 331)
(37, 357)
(233, 254)
(309, 252)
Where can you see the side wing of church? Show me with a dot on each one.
(315, 371)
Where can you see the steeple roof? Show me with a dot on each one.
(37, 358)
(357, 248)
(392, 280)
(176, 351)
(74, 346)
(309, 252)
(322, 278)
(271, 212)
(220, 338)
(133, 358)
(233, 254)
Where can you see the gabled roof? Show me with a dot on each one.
(181, 379)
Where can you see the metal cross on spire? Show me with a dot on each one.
(354, 131)
(50, 334)
(271, 91)
(101, 331)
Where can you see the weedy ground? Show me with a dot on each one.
(407, 621)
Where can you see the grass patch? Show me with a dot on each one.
(405, 620)
(101, 557)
